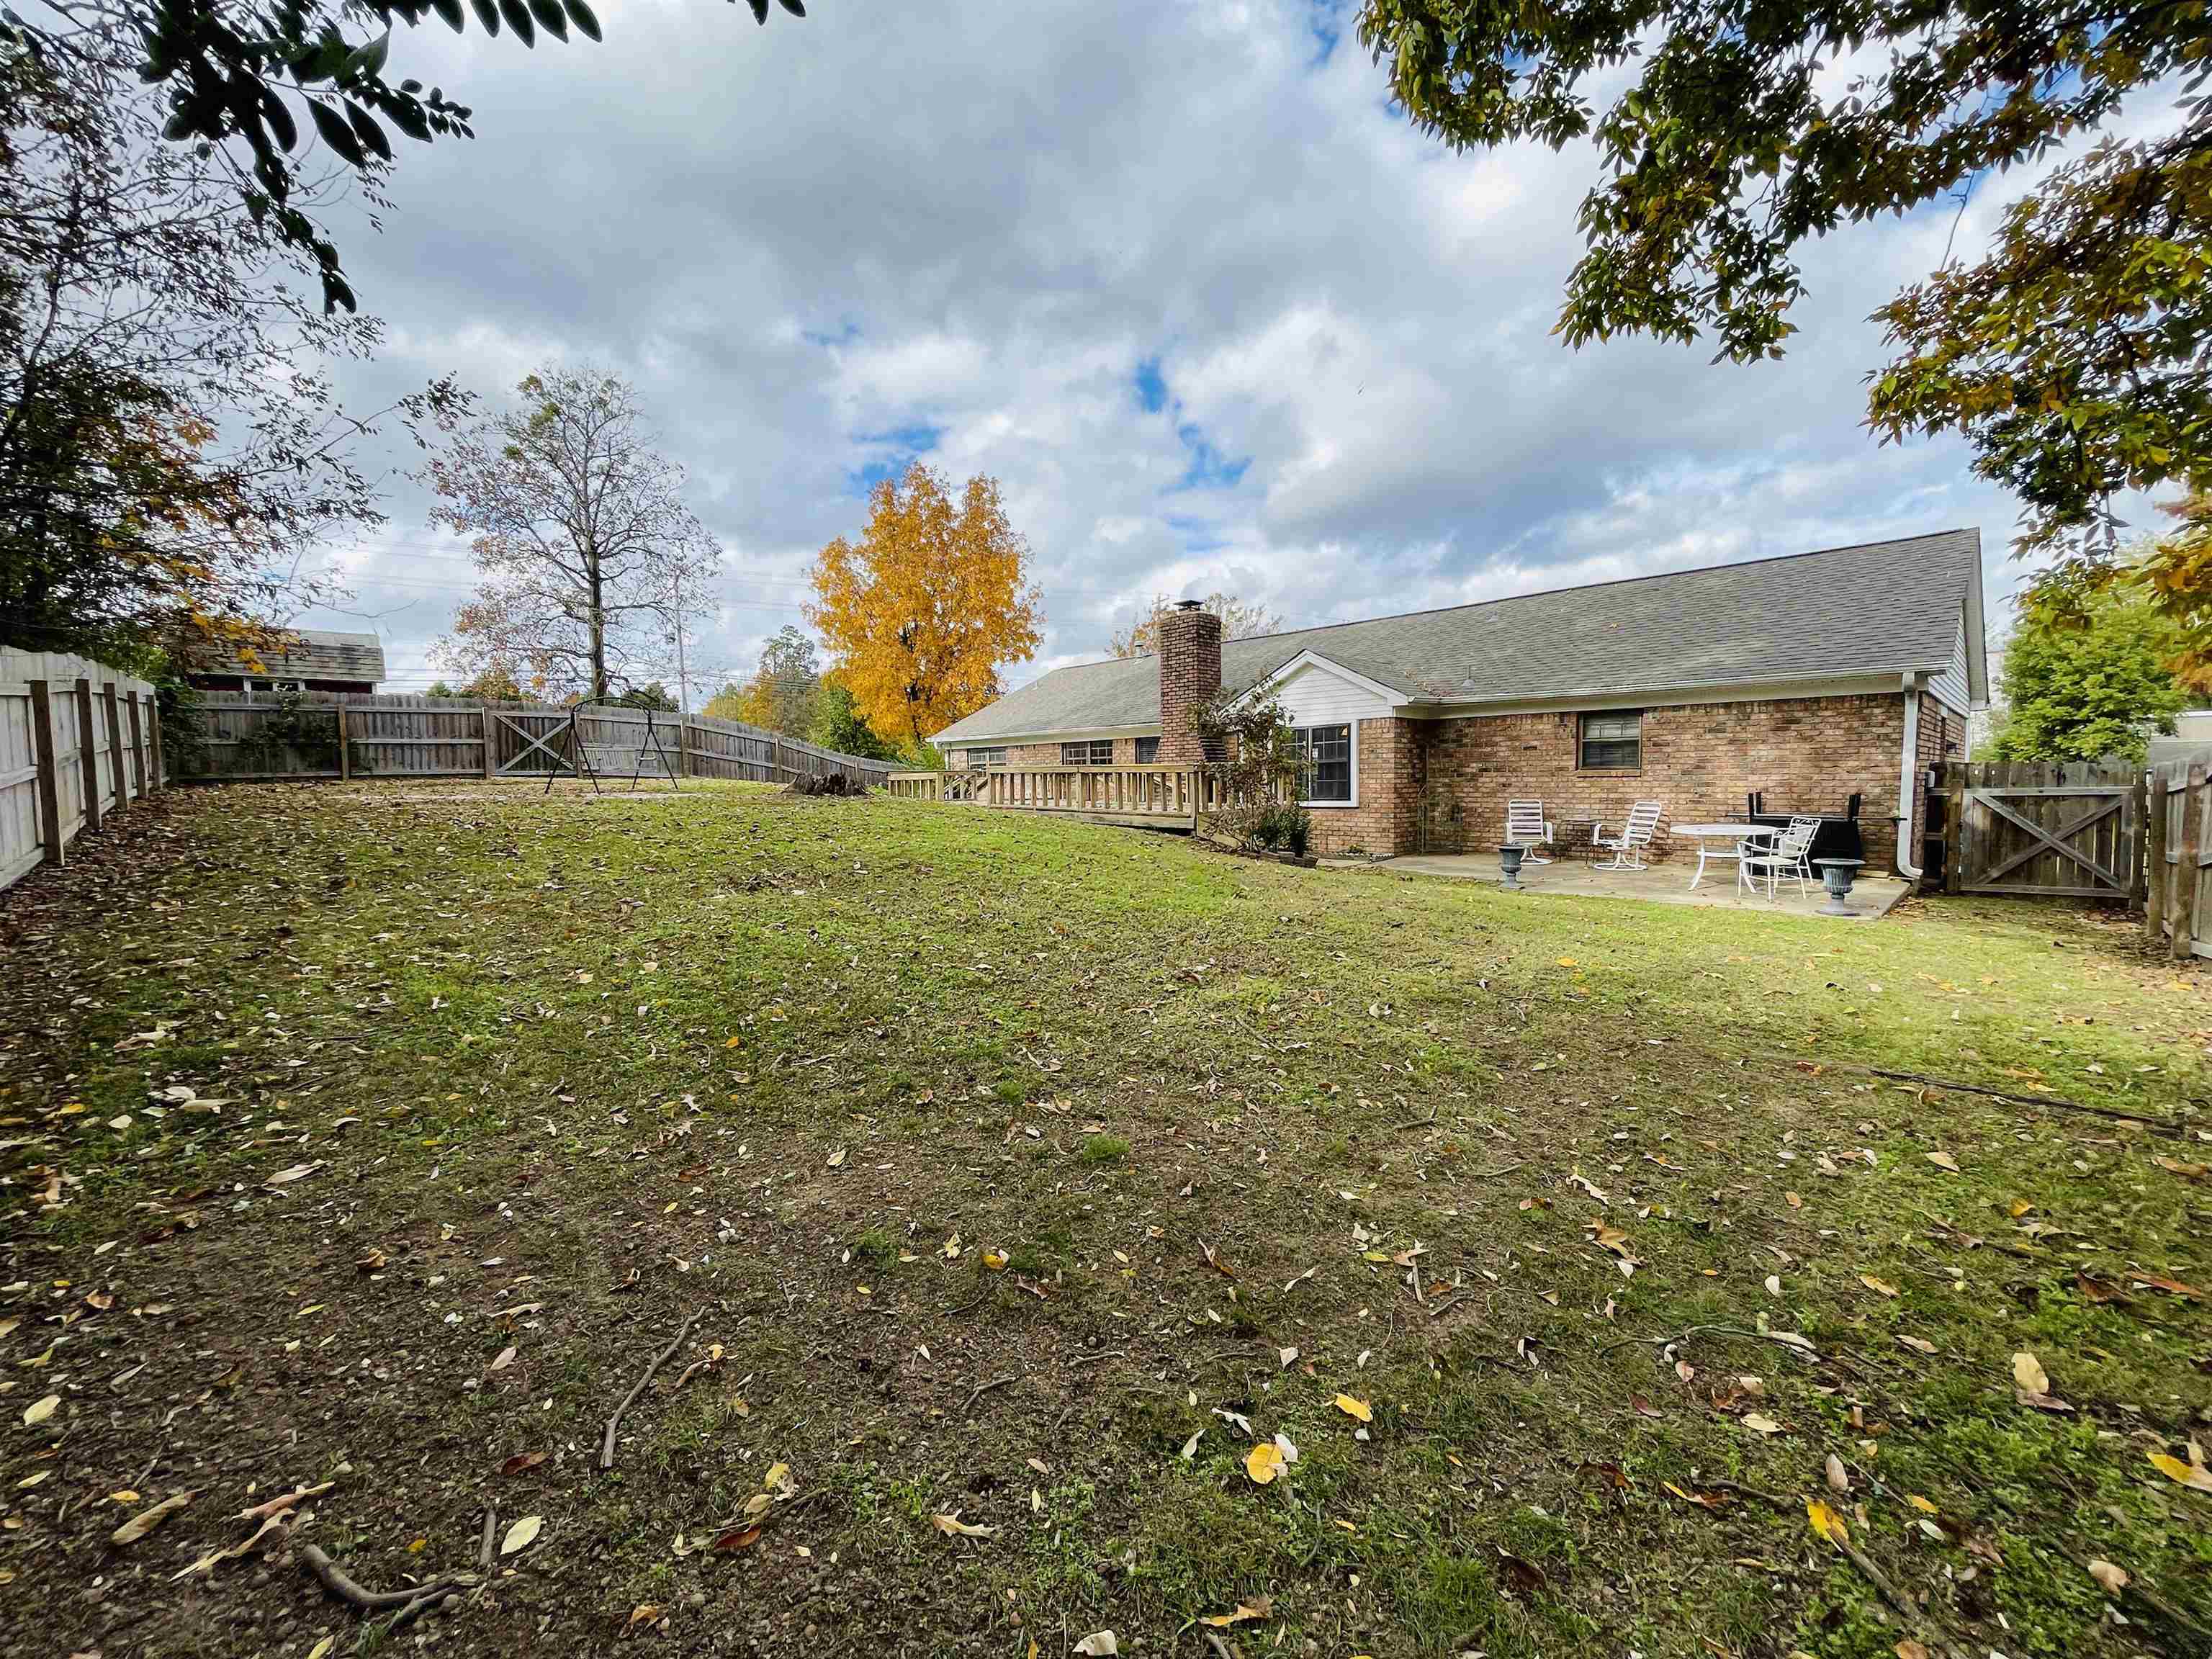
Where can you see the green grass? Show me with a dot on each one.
(999, 1157)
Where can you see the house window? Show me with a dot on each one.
(978, 757)
(1612, 742)
(1098, 751)
(1324, 764)
(1148, 752)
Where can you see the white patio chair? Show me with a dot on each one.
(1525, 822)
(1790, 854)
(1627, 847)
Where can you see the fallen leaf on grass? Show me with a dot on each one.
(505, 1358)
(1098, 1642)
(2110, 1579)
(1880, 1287)
(2187, 1172)
(1917, 1344)
(521, 1535)
(1909, 1648)
(953, 1526)
(1761, 1425)
(146, 1520)
(738, 1538)
(1358, 1408)
(1944, 1161)
(284, 1501)
(1704, 1500)
(1262, 1608)
(1826, 1522)
(297, 1172)
(645, 1613)
(2195, 1476)
(1263, 1462)
(39, 1410)
(521, 1461)
(2028, 1371)
(2171, 1286)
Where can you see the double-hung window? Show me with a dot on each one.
(1098, 751)
(1148, 752)
(1612, 742)
(986, 757)
(1324, 764)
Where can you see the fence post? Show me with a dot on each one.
(2184, 905)
(345, 743)
(1954, 824)
(87, 759)
(138, 745)
(491, 768)
(49, 764)
(2155, 895)
(683, 745)
(154, 720)
(2131, 842)
(114, 711)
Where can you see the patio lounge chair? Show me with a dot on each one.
(1789, 855)
(1525, 822)
(1627, 847)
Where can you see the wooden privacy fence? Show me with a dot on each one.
(2043, 831)
(79, 742)
(2179, 849)
(359, 735)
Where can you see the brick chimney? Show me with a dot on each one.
(1190, 673)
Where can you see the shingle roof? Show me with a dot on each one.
(1877, 607)
(318, 654)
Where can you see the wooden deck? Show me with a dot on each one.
(1145, 797)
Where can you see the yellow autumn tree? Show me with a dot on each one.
(923, 609)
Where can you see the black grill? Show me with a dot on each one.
(1838, 836)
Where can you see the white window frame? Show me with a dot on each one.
(1087, 744)
(1352, 731)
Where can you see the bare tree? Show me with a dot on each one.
(587, 553)
(1239, 621)
(171, 449)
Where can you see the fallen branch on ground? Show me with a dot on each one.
(1897, 1601)
(982, 1389)
(2165, 1125)
(1789, 1340)
(607, 1446)
(408, 1602)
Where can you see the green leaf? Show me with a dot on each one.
(367, 58)
(334, 132)
(518, 19)
(581, 15)
(451, 11)
(365, 129)
(551, 18)
(488, 15)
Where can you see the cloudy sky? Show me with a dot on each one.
(1175, 273)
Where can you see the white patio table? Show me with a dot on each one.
(1728, 835)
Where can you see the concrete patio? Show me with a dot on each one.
(1872, 896)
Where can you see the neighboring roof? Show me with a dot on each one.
(315, 654)
(1879, 608)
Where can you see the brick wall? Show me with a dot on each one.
(1389, 756)
(1190, 673)
(1701, 759)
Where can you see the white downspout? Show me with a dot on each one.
(1908, 776)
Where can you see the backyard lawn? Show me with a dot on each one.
(1085, 1231)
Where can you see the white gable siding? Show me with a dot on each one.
(1314, 696)
(1952, 684)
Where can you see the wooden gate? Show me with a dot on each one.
(2045, 831)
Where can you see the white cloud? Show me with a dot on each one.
(821, 246)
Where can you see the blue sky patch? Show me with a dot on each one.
(896, 449)
(1151, 387)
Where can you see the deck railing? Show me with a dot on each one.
(1164, 794)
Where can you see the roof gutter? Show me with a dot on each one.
(1908, 766)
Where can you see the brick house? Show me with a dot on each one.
(1810, 679)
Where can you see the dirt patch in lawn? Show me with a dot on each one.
(1079, 1233)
